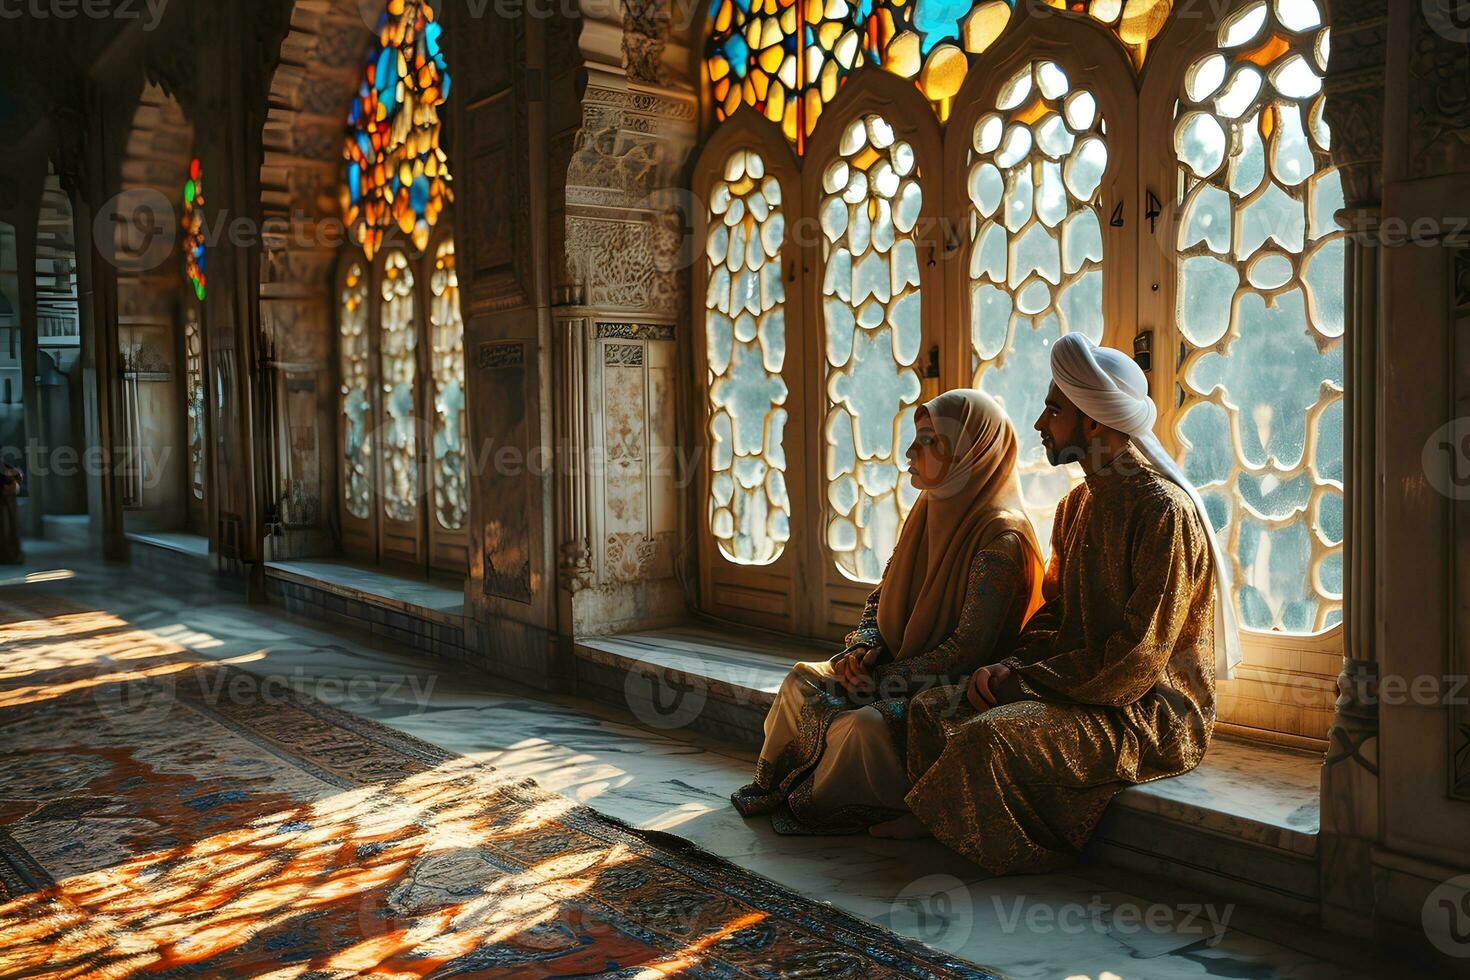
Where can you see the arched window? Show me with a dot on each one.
(1036, 165)
(446, 329)
(975, 181)
(353, 350)
(872, 322)
(193, 228)
(401, 335)
(745, 326)
(194, 404)
(1259, 312)
(193, 244)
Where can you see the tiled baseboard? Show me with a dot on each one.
(437, 637)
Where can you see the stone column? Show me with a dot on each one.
(29, 177)
(1354, 108)
(87, 140)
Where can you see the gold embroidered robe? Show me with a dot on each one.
(811, 704)
(1116, 672)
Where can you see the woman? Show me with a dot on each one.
(965, 574)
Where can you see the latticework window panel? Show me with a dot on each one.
(194, 400)
(1035, 272)
(357, 406)
(745, 329)
(1260, 312)
(873, 334)
(398, 342)
(446, 326)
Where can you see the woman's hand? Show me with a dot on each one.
(983, 692)
(855, 668)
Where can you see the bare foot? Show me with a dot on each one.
(906, 827)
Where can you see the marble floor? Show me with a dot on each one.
(1085, 924)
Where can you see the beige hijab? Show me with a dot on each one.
(923, 589)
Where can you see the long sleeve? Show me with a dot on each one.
(1132, 659)
(995, 594)
(1037, 639)
(866, 634)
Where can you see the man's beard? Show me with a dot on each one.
(1074, 450)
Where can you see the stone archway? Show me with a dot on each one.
(152, 318)
(301, 172)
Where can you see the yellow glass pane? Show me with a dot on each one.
(944, 72)
(984, 24)
(905, 56)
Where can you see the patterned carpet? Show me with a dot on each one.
(165, 816)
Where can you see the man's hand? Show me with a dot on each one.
(983, 691)
(855, 667)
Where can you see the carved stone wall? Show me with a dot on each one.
(621, 280)
(625, 212)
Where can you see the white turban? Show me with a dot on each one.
(1108, 387)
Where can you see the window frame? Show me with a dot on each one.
(1282, 660)
(767, 595)
(836, 603)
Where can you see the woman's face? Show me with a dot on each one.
(929, 455)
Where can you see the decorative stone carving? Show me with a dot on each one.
(1354, 106)
(629, 556)
(622, 245)
(645, 34)
(616, 266)
(635, 331)
(623, 355)
(1439, 93)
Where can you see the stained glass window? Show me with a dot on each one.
(1135, 22)
(397, 173)
(193, 228)
(1036, 168)
(447, 333)
(745, 329)
(399, 349)
(1260, 311)
(871, 310)
(194, 395)
(357, 406)
(788, 58)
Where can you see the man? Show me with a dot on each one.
(1112, 681)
